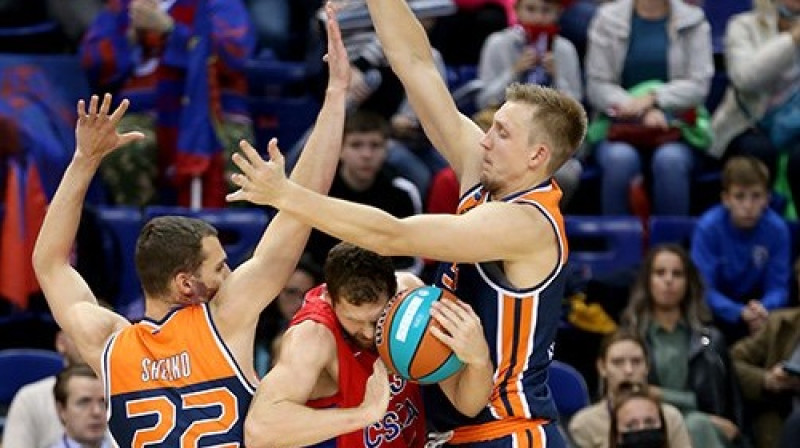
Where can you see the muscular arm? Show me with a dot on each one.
(252, 286)
(278, 415)
(71, 301)
(457, 238)
(469, 389)
(406, 46)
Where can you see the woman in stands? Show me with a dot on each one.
(761, 59)
(667, 310)
(632, 42)
(622, 364)
(637, 421)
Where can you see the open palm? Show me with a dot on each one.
(96, 131)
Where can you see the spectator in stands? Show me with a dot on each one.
(637, 420)
(770, 391)
(741, 248)
(32, 420)
(529, 51)
(461, 36)
(275, 318)
(622, 364)
(762, 64)
(631, 42)
(376, 88)
(512, 55)
(157, 54)
(81, 404)
(691, 369)
(364, 177)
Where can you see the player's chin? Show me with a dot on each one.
(365, 343)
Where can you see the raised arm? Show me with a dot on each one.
(252, 286)
(409, 53)
(71, 301)
(289, 385)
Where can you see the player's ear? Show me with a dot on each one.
(539, 155)
(183, 284)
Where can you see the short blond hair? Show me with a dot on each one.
(557, 116)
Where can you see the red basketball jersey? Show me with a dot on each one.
(403, 425)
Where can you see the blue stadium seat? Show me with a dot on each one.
(603, 244)
(718, 12)
(124, 225)
(568, 389)
(239, 229)
(19, 367)
(671, 229)
(285, 118)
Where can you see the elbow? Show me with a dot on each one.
(260, 435)
(40, 260)
(470, 411)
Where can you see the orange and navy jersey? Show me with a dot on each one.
(519, 324)
(175, 383)
(403, 424)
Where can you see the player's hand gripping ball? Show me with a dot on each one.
(405, 342)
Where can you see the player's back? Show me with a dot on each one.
(175, 383)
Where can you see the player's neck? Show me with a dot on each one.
(523, 184)
(156, 308)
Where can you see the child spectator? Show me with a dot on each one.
(741, 248)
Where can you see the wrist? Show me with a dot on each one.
(83, 160)
(336, 90)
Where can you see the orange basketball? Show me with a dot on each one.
(405, 342)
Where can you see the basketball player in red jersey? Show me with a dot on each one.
(329, 389)
(505, 250)
(183, 376)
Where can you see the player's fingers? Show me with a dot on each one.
(237, 195)
(442, 336)
(247, 150)
(120, 111)
(130, 137)
(105, 106)
(244, 165)
(275, 155)
(93, 106)
(81, 109)
(449, 309)
(242, 181)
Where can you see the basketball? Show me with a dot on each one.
(405, 343)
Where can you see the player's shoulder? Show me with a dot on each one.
(309, 342)
(309, 330)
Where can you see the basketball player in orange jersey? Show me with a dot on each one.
(183, 376)
(506, 249)
(322, 377)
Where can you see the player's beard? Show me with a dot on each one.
(489, 184)
(200, 293)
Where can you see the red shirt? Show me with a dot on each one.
(403, 425)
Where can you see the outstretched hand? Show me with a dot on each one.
(96, 131)
(461, 330)
(336, 57)
(260, 182)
